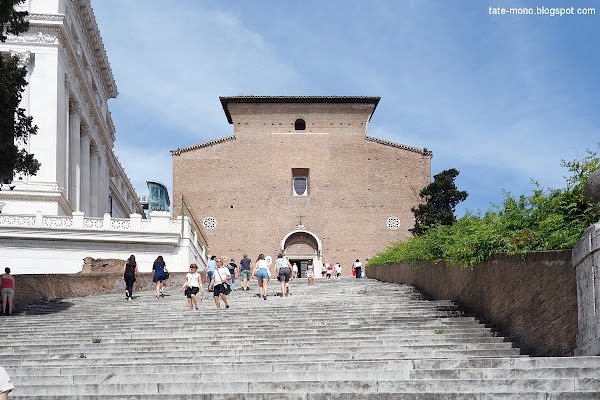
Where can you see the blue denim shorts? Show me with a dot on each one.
(262, 274)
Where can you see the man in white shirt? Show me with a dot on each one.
(338, 270)
(220, 276)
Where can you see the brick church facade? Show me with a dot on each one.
(300, 176)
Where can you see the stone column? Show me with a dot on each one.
(74, 150)
(586, 260)
(85, 172)
(94, 183)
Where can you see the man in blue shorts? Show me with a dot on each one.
(210, 270)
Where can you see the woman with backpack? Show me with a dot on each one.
(232, 267)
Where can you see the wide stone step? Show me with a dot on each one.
(184, 375)
(311, 345)
(332, 386)
(242, 341)
(268, 357)
(343, 396)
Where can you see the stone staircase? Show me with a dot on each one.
(345, 339)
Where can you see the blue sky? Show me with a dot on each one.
(501, 98)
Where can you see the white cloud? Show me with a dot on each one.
(142, 165)
(177, 61)
(494, 96)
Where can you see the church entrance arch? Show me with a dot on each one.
(299, 246)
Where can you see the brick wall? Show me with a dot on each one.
(34, 288)
(534, 300)
(320, 118)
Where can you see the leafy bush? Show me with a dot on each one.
(553, 220)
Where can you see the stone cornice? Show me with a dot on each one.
(48, 35)
(92, 33)
(202, 145)
(81, 91)
(32, 17)
(423, 152)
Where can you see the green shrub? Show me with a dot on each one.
(552, 220)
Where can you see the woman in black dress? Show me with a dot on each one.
(160, 276)
(129, 276)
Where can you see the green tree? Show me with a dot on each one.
(15, 125)
(544, 220)
(441, 197)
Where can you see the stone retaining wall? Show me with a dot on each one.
(534, 300)
(34, 288)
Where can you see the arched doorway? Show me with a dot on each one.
(299, 246)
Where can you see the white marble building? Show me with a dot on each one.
(70, 81)
(81, 203)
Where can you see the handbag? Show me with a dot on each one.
(167, 274)
(226, 287)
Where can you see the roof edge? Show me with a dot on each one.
(423, 151)
(225, 100)
(179, 151)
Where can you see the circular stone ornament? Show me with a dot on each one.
(393, 223)
(209, 222)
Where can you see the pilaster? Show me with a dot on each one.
(85, 171)
(74, 155)
(94, 182)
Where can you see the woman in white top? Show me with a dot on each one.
(358, 267)
(220, 276)
(310, 273)
(261, 272)
(192, 286)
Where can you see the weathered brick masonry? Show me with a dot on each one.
(355, 182)
(534, 300)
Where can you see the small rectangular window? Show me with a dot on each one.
(299, 185)
(300, 182)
